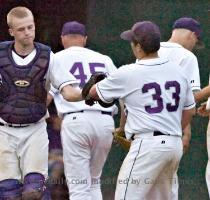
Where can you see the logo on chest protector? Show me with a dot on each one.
(22, 83)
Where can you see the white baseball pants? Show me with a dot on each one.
(208, 163)
(23, 150)
(86, 139)
(148, 169)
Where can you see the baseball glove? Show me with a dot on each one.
(119, 138)
(95, 78)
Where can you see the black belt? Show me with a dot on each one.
(155, 133)
(14, 125)
(81, 111)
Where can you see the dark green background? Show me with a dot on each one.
(105, 20)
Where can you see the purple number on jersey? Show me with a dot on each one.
(81, 75)
(175, 95)
(93, 67)
(157, 96)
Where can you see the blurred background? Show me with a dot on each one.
(105, 20)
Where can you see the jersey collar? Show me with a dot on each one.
(170, 44)
(151, 62)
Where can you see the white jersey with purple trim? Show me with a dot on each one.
(155, 93)
(82, 63)
(58, 76)
(185, 58)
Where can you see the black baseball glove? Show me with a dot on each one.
(95, 78)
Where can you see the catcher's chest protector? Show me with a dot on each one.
(22, 88)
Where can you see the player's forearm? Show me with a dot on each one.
(187, 117)
(49, 99)
(202, 94)
(71, 94)
(123, 117)
(187, 131)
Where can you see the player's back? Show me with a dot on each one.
(155, 96)
(183, 57)
(82, 63)
(174, 52)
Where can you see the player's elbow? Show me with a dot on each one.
(71, 94)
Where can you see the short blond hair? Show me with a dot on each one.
(18, 12)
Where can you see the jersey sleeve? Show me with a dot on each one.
(110, 66)
(53, 91)
(189, 99)
(113, 87)
(59, 76)
(191, 70)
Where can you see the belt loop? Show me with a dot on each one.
(132, 137)
(106, 113)
(14, 125)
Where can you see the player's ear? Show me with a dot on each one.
(85, 40)
(62, 40)
(10, 32)
(138, 47)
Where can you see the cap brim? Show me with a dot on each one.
(200, 45)
(127, 35)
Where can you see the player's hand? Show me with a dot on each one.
(202, 110)
(186, 143)
(119, 131)
(120, 138)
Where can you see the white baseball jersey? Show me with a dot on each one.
(185, 58)
(86, 136)
(82, 63)
(155, 92)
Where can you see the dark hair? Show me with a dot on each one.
(149, 43)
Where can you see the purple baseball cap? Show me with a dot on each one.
(73, 27)
(140, 30)
(146, 33)
(192, 25)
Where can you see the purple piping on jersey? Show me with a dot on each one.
(106, 101)
(154, 64)
(132, 168)
(189, 105)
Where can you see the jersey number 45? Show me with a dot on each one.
(78, 67)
